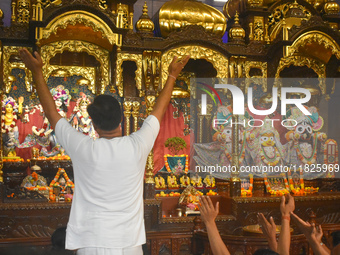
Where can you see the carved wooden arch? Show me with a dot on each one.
(102, 56)
(218, 60)
(317, 66)
(315, 36)
(121, 57)
(80, 17)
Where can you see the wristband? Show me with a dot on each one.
(286, 218)
(172, 76)
(321, 244)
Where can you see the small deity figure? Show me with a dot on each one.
(159, 182)
(172, 181)
(34, 179)
(209, 181)
(81, 120)
(179, 167)
(185, 181)
(10, 133)
(190, 198)
(196, 181)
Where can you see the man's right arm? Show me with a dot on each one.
(164, 97)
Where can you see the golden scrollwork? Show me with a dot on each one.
(121, 57)
(259, 65)
(318, 67)
(150, 102)
(102, 4)
(218, 60)
(23, 11)
(149, 168)
(8, 51)
(87, 72)
(123, 16)
(258, 28)
(79, 17)
(135, 114)
(50, 50)
(317, 37)
(127, 105)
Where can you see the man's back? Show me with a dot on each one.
(107, 209)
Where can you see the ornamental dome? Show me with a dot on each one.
(236, 32)
(176, 14)
(145, 24)
(331, 7)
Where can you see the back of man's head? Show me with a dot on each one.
(265, 252)
(105, 112)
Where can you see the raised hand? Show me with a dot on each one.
(207, 210)
(32, 63)
(289, 207)
(269, 230)
(177, 65)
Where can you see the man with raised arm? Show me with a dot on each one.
(107, 210)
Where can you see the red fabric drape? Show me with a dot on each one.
(170, 127)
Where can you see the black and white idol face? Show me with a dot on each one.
(304, 129)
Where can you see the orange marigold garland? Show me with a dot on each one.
(248, 192)
(280, 192)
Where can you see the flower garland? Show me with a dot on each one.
(84, 123)
(248, 192)
(270, 161)
(8, 128)
(186, 169)
(242, 152)
(55, 183)
(305, 160)
(280, 192)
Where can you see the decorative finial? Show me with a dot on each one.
(145, 25)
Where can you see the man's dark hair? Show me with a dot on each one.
(105, 112)
(265, 252)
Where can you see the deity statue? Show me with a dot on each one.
(219, 151)
(196, 181)
(305, 145)
(45, 135)
(209, 181)
(172, 181)
(185, 181)
(80, 119)
(10, 133)
(159, 182)
(268, 149)
(34, 179)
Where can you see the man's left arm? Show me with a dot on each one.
(35, 64)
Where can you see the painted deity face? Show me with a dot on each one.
(9, 108)
(226, 135)
(304, 129)
(83, 108)
(267, 139)
(58, 103)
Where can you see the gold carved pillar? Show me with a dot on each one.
(135, 113)
(235, 182)
(127, 105)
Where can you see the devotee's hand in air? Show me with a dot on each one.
(32, 63)
(289, 207)
(207, 210)
(269, 230)
(177, 65)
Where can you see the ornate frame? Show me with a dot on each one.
(256, 64)
(50, 50)
(88, 73)
(8, 67)
(315, 36)
(79, 17)
(121, 57)
(218, 60)
(318, 67)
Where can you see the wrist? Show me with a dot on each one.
(172, 76)
(285, 217)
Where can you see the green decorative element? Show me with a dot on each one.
(175, 144)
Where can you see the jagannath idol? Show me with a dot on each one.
(268, 150)
(45, 136)
(80, 119)
(218, 152)
(305, 145)
(10, 133)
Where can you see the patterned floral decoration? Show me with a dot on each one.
(176, 163)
